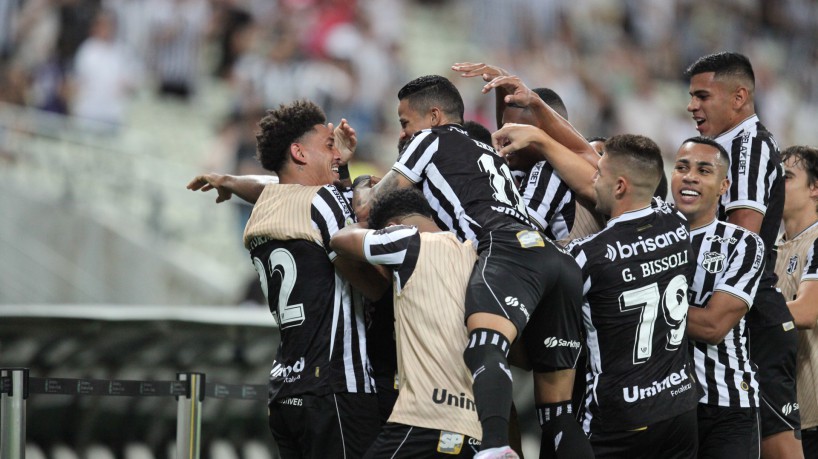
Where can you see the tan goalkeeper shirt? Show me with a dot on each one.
(797, 263)
(431, 272)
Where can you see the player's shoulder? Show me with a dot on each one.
(730, 235)
(331, 198)
(454, 134)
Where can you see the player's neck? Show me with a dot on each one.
(795, 224)
(291, 175)
(423, 224)
(625, 205)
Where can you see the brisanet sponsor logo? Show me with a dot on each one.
(646, 245)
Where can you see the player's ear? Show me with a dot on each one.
(437, 116)
(813, 190)
(725, 184)
(620, 187)
(297, 153)
(740, 97)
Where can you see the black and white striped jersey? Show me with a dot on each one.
(467, 184)
(550, 202)
(757, 182)
(636, 273)
(323, 343)
(728, 259)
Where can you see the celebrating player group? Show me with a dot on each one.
(653, 327)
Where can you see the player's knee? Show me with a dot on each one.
(486, 349)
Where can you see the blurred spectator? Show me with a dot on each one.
(103, 79)
(178, 29)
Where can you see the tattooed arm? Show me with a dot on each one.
(365, 192)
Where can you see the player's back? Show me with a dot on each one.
(468, 185)
(636, 273)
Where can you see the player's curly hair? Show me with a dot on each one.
(397, 203)
(281, 127)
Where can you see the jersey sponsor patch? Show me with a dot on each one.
(450, 442)
(530, 239)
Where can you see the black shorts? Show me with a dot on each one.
(387, 387)
(402, 441)
(324, 426)
(774, 351)
(523, 276)
(727, 433)
(674, 438)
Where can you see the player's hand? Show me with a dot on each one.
(361, 194)
(207, 182)
(518, 93)
(513, 137)
(346, 140)
(473, 69)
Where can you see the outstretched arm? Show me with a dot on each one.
(488, 72)
(577, 173)
(246, 187)
(557, 127)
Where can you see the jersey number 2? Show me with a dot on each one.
(282, 265)
(647, 299)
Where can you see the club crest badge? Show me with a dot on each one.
(713, 262)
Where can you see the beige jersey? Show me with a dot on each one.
(797, 263)
(431, 272)
(586, 222)
(285, 212)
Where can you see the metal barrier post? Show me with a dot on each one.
(13, 414)
(189, 416)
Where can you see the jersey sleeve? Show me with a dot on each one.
(810, 272)
(417, 155)
(744, 268)
(580, 254)
(753, 174)
(395, 247)
(545, 194)
(330, 212)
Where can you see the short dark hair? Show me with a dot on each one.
(429, 91)
(477, 131)
(723, 155)
(281, 127)
(553, 100)
(724, 64)
(398, 203)
(642, 154)
(806, 156)
(661, 188)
